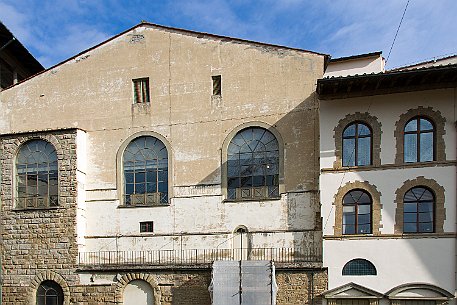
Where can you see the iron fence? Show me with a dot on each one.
(197, 256)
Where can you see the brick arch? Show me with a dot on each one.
(48, 276)
(438, 121)
(128, 277)
(375, 207)
(375, 126)
(438, 191)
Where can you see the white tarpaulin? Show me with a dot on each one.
(243, 283)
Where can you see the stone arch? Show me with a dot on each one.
(376, 205)
(48, 276)
(232, 134)
(375, 126)
(437, 119)
(128, 277)
(440, 211)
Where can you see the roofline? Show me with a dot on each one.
(423, 62)
(366, 55)
(167, 28)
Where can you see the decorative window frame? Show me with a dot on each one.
(439, 209)
(436, 119)
(224, 150)
(372, 123)
(120, 167)
(128, 277)
(375, 207)
(48, 275)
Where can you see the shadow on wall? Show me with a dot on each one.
(299, 174)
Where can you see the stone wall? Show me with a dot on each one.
(36, 242)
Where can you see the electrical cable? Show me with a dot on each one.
(398, 29)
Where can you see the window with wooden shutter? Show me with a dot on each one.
(141, 90)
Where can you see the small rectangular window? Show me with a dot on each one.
(217, 85)
(146, 226)
(141, 90)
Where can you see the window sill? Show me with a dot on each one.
(389, 166)
(143, 206)
(250, 199)
(37, 209)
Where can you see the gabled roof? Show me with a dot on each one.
(352, 291)
(186, 32)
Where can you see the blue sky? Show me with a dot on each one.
(56, 30)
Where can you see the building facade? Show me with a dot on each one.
(128, 169)
(388, 182)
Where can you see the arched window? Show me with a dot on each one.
(36, 175)
(49, 293)
(418, 211)
(357, 212)
(419, 140)
(145, 165)
(359, 266)
(357, 144)
(253, 165)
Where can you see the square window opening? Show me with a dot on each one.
(146, 226)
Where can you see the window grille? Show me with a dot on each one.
(146, 226)
(145, 164)
(359, 266)
(253, 165)
(36, 175)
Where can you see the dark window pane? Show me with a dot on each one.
(410, 227)
(363, 219)
(426, 147)
(364, 229)
(258, 180)
(348, 219)
(128, 177)
(426, 217)
(233, 182)
(410, 148)
(140, 177)
(348, 229)
(409, 217)
(410, 207)
(426, 227)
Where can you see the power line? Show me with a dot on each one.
(398, 29)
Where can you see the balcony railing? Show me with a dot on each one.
(196, 256)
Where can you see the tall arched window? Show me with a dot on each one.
(359, 266)
(357, 144)
(419, 140)
(357, 212)
(49, 293)
(36, 175)
(145, 165)
(253, 165)
(418, 211)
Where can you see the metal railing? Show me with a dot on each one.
(196, 256)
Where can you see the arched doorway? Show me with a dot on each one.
(138, 292)
(241, 245)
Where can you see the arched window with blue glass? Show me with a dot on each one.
(36, 175)
(253, 165)
(357, 144)
(419, 140)
(145, 168)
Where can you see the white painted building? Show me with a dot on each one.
(388, 182)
